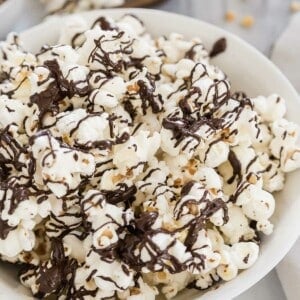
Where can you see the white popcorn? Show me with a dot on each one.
(237, 226)
(110, 276)
(270, 109)
(292, 161)
(139, 148)
(51, 156)
(17, 241)
(244, 254)
(261, 205)
(128, 167)
(216, 154)
(285, 133)
(227, 272)
(14, 111)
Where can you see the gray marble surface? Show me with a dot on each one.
(271, 18)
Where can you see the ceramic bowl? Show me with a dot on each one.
(10, 12)
(248, 71)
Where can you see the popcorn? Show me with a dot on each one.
(50, 156)
(128, 167)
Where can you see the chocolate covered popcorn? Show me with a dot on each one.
(129, 167)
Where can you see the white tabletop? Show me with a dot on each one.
(271, 17)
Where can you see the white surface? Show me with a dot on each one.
(271, 17)
(286, 56)
(255, 75)
(289, 273)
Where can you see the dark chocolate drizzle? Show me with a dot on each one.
(183, 128)
(218, 47)
(5, 229)
(53, 277)
(141, 233)
(122, 194)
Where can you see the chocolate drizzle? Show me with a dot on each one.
(236, 166)
(183, 128)
(218, 47)
(13, 151)
(141, 233)
(147, 96)
(5, 229)
(197, 113)
(66, 87)
(122, 194)
(47, 100)
(53, 277)
(104, 24)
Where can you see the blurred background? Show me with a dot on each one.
(260, 22)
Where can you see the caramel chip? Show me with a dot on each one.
(193, 209)
(107, 233)
(133, 88)
(230, 16)
(117, 178)
(134, 291)
(247, 21)
(162, 275)
(252, 179)
(178, 182)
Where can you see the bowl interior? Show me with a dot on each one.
(248, 71)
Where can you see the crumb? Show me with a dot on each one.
(230, 16)
(247, 21)
(295, 6)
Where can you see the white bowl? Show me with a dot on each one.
(249, 71)
(10, 12)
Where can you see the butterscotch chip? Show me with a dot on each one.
(193, 209)
(295, 6)
(107, 233)
(252, 179)
(151, 209)
(230, 16)
(66, 139)
(135, 291)
(161, 275)
(178, 182)
(133, 88)
(118, 178)
(85, 161)
(247, 21)
(293, 134)
(192, 166)
(214, 191)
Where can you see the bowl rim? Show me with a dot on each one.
(114, 12)
(5, 5)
